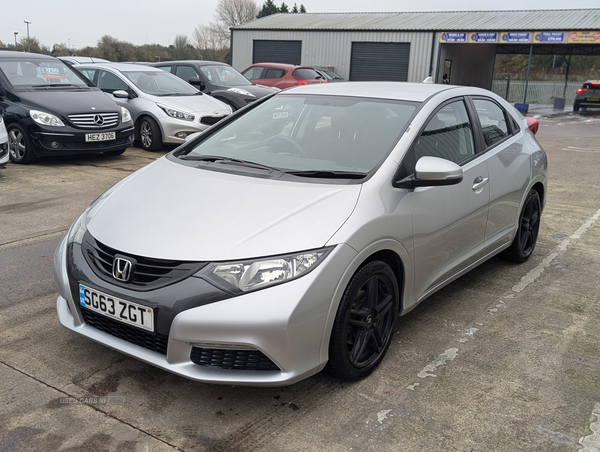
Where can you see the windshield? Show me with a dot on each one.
(295, 133)
(42, 72)
(160, 83)
(225, 76)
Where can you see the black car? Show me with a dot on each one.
(51, 109)
(588, 96)
(220, 80)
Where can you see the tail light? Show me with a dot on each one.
(533, 125)
(581, 90)
(301, 82)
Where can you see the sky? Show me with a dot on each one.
(82, 23)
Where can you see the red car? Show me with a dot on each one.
(282, 75)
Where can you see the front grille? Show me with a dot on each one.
(211, 120)
(232, 359)
(75, 145)
(148, 273)
(155, 342)
(94, 120)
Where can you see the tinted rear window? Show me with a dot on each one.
(306, 74)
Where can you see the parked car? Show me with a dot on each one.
(81, 60)
(165, 109)
(282, 75)
(329, 75)
(219, 80)
(308, 222)
(3, 144)
(588, 96)
(50, 109)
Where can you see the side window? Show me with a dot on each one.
(253, 72)
(165, 68)
(89, 73)
(185, 72)
(275, 73)
(493, 121)
(447, 135)
(109, 82)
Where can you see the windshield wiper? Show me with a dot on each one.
(326, 174)
(226, 160)
(55, 85)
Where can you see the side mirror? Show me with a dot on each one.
(195, 81)
(121, 94)
(432, 172)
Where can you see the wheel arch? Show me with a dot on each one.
(139, 119)
(539, 187)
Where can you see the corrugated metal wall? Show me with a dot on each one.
(331, 48)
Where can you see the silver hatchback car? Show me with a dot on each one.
(311, 220)
(165, 109)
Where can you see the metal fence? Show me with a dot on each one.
(537, 92)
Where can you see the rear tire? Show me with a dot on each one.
(575, 107)
(20, 147)
(150, 135)
(364, 324)
(529, 224)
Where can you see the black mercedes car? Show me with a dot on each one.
(51, 109)
(220, 80)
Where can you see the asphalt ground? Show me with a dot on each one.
(507, 358)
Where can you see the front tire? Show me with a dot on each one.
(529, 225)
(150, 135)
(364, 324)
(19, 144)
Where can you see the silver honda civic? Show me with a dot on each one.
(291, 235)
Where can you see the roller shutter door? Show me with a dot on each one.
(288, 52)
(379, 61)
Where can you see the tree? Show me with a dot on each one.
(268, 8)
(284, 8)
(232, 13)
(212, 41)
(295, 9)
(35, 46)
(302, 9)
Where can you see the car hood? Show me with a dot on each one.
(259, 90)
(171, 211)
(68, 102)
(200, 104)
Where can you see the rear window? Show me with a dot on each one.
(592, 85)
(306, 74)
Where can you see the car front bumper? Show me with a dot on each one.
(288, 324)
(176, 130)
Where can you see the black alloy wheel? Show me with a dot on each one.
(20, 148)
(364, 324)
(149, 133)
(529, 225)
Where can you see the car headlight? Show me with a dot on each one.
(78, 229)
(249, 275)
(45, 119)
(241, 91)
(125, 115)
(173, 113)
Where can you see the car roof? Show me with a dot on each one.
(417, 92)
(196, 62)
(281, 66)
(24, 55)
(122, 67)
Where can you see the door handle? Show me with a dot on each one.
(479, 183)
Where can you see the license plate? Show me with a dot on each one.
(593, 99)
(116, 308)
(105, 136)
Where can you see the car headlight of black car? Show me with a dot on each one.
(249, 275)
(45, 119)
(243, 92)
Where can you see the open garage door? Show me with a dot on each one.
(289, 52)
(379, 61)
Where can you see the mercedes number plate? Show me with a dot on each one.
(105, 136)
(116, 308)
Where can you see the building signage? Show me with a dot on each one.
(584, 37)
(515, 37)
(487, 37)
(454, 37)
(549, 37)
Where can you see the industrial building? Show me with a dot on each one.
(453, 47)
